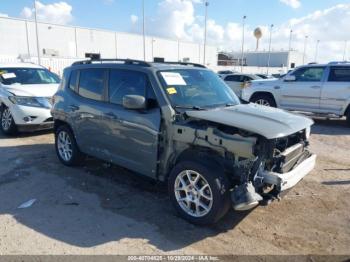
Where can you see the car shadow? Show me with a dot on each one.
(95, 203)
(330, 127)
(26, 134)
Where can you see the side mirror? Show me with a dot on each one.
(289, 78)
(134, 102)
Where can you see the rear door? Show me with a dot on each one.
(335, 95)
(304, 93)
(131, 135)
(87, 109)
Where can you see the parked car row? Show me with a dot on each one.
(174, 122)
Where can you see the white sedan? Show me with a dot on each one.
(26, 90)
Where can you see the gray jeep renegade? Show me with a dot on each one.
(180, 123)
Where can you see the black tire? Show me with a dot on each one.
(219, 186)
(348, 116)
(263, 99)
(10, 129)
(76, 155)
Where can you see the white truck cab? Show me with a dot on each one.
(322, 89)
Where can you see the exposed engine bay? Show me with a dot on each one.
(252, 162)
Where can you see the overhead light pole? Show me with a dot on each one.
(205, 31)
(316, 51)
(269, 55)
(345, 47)
(37, 33)
(242, 53)
(143, 30)
(304, 53)
(289, 47)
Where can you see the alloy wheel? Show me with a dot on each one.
(262, 102)
(6, 119)
(64, 145)
(193, 193)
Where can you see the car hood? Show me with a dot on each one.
(266, 121)
(42, 90)
(265, 81)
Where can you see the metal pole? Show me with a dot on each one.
(178, 50)
(37, 33)
(143, 30)
(242, 54)
(76, 42)
(152, 49)
(27, 36)
(304, 54)
(205, 30)
(345, 47)
(116, 44)
(316, 51)
(269, 56)
(289, 47)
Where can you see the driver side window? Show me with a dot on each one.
(125, 82)
(309, 74)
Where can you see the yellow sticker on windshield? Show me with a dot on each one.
(171, 90)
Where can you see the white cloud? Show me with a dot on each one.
(292, 3)
(179, 20)
(58, 13)
(134, 19)
(3, 15)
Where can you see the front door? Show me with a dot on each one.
(304, 93)
(132, 135)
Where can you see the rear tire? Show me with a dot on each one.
(348, 116)
(66, 147)
(199, 191)
(264, 100)
(7, 124)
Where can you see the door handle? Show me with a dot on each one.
(315, 87)
(277, 87)
(73, 107)
(111, 115)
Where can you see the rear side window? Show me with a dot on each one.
(233, 78)
(339, 74)
(91, 83)
(125, 82)
(73, 80)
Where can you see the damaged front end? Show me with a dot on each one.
(259, 168)
(279, 165)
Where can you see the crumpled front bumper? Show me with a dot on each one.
(288, 180)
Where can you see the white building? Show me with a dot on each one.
(60, 45)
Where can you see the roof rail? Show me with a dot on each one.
(116, 60)
(339, 62)
(182, 63)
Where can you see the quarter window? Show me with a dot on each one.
(125, 82)
(309, 74)
(233, 78)
(91, 83)
(73, 80)
(339, 74)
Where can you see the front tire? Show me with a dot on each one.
(199, 192)
(264, 100)
(348, 116)
(7, 124)
(66, 147)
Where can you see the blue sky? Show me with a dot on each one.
(324, 20)
(115, 15)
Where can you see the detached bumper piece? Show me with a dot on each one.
(245, 196)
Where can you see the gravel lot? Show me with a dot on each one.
(103, 209)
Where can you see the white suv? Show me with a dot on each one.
(318, 89)
(25, 97)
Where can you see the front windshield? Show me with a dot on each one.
(27, 76)
(193, 88)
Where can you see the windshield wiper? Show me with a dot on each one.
(198, 108)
